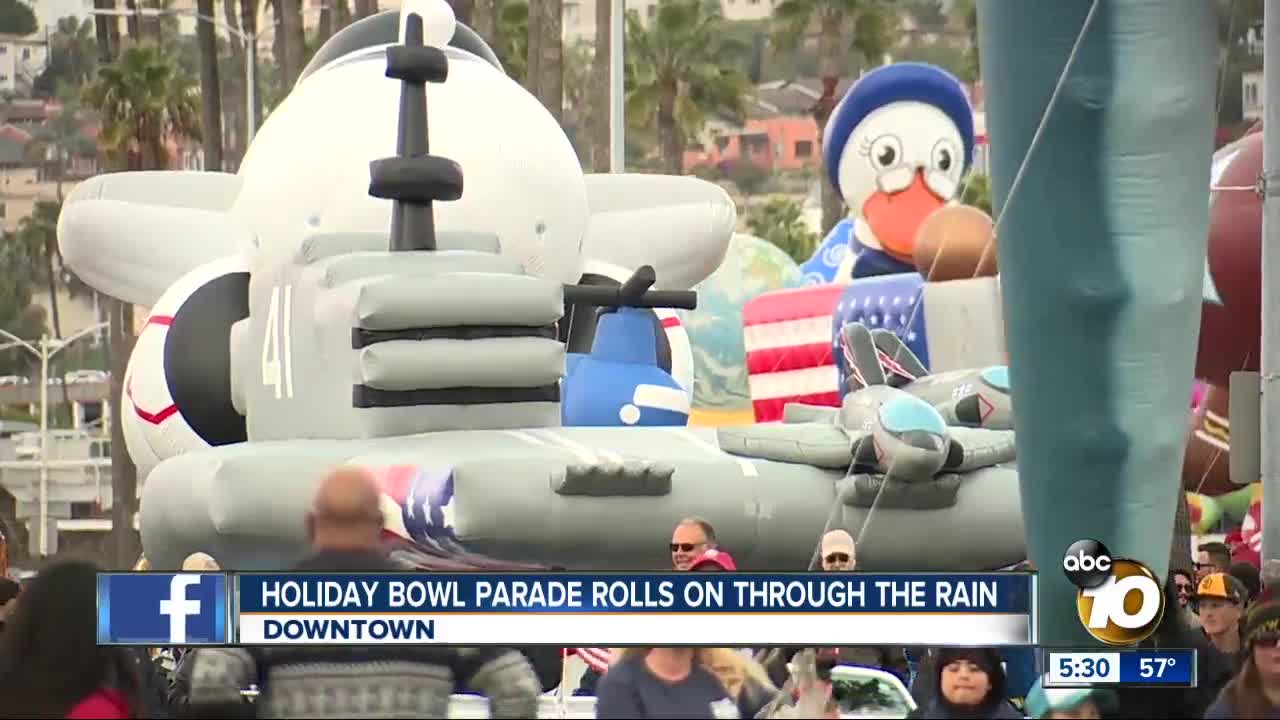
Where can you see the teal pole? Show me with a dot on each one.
(1101, 250)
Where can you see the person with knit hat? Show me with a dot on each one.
(1075, 703)
(970, 684)
(1255, 691)
(1219, 601)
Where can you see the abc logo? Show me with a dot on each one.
(1119, 601)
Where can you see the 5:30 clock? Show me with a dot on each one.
(1076, 668)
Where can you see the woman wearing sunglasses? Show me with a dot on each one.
(1255, 691)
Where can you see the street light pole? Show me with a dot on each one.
(617, 88)
(44, 445)
(250, 60)
(45, 351)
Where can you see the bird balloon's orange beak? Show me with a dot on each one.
(895, 217)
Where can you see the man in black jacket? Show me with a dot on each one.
(345, 527)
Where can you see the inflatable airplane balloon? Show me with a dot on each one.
(205, 250)
(438, 348)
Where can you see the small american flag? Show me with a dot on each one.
(597, 659)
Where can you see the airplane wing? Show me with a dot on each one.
(680, 225)
(133, 235)
(973, 448)
(817, 444)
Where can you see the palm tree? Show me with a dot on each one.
(484, 20)
(677, 74)
(249, 26)
(292, 40)
(210, 89)
(365, 8)
(580, 103)
(512, 44)
(106, 31)
(545, 72)
(601, 81)
(233, 87)
(71, 49)
(143, 100)
(39, 233)
(864, 25)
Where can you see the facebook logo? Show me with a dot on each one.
(162, 609)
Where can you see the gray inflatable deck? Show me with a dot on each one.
(508, 498)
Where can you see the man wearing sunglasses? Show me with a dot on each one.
(690, 539)
(1212, 557)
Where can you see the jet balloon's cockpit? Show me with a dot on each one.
(996, 377)
(914, 422)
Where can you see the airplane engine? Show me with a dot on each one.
(177, 388)
(675, 354)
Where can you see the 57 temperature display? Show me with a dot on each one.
(1121, 667)
(1155, 667)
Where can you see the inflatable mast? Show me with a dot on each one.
(1101, 253)
(413, 179)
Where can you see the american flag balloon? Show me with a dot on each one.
(787, 336)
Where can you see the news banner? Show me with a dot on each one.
(567, 610)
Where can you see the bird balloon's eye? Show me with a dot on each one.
(886, 150)
(944, 156)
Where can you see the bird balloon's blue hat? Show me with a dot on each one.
(899, 82)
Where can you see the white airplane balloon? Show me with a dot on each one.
(160, 239)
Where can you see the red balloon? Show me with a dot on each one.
(1230, 333)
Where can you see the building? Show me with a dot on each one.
(22, 59)
(779, 132)
(1252, 95)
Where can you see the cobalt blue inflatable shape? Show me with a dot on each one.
(620, 383)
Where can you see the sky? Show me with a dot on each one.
(49, 11)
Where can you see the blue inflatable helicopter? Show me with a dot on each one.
(621, 382)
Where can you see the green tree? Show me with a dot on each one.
(977, 192)
(677, 76)
(863, 25)
(38, 233)
(581, 103)
(17, 18)
(72, 57)
(144, 100)
(61, 139)
(19, 274)
(512, 47)
(750, 178)
(953, 59)
(927, 13)
(781, 222)
(967, 12)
